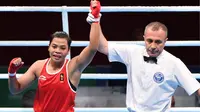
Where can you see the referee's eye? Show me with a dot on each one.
(149, 41)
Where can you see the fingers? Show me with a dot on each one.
(17, 62)
(94, 3)
(95, 8)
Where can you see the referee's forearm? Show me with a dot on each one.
(198, 92)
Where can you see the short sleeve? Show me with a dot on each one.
(185, 78)
(120, 53)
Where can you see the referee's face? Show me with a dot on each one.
(154, 41)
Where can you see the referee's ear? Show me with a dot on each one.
(166, 39)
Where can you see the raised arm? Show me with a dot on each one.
(103, 44)
(80, 62)
(16, 85)
(86, 56)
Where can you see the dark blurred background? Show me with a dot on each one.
(116, 27)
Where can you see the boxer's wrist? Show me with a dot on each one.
(91, 19)
(12, 74)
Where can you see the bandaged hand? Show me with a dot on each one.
(14, 65)
(94, 14)
(95, 8)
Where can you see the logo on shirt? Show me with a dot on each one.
(42, 77)
(158, 77)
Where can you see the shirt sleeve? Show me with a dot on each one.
(185, 78)
(120, 53)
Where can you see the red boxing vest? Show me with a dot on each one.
(54, 93)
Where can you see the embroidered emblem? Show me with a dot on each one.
(158, 77)
(61, 77)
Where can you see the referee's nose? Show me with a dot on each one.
(153, 46)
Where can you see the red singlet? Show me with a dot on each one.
(54, 92)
